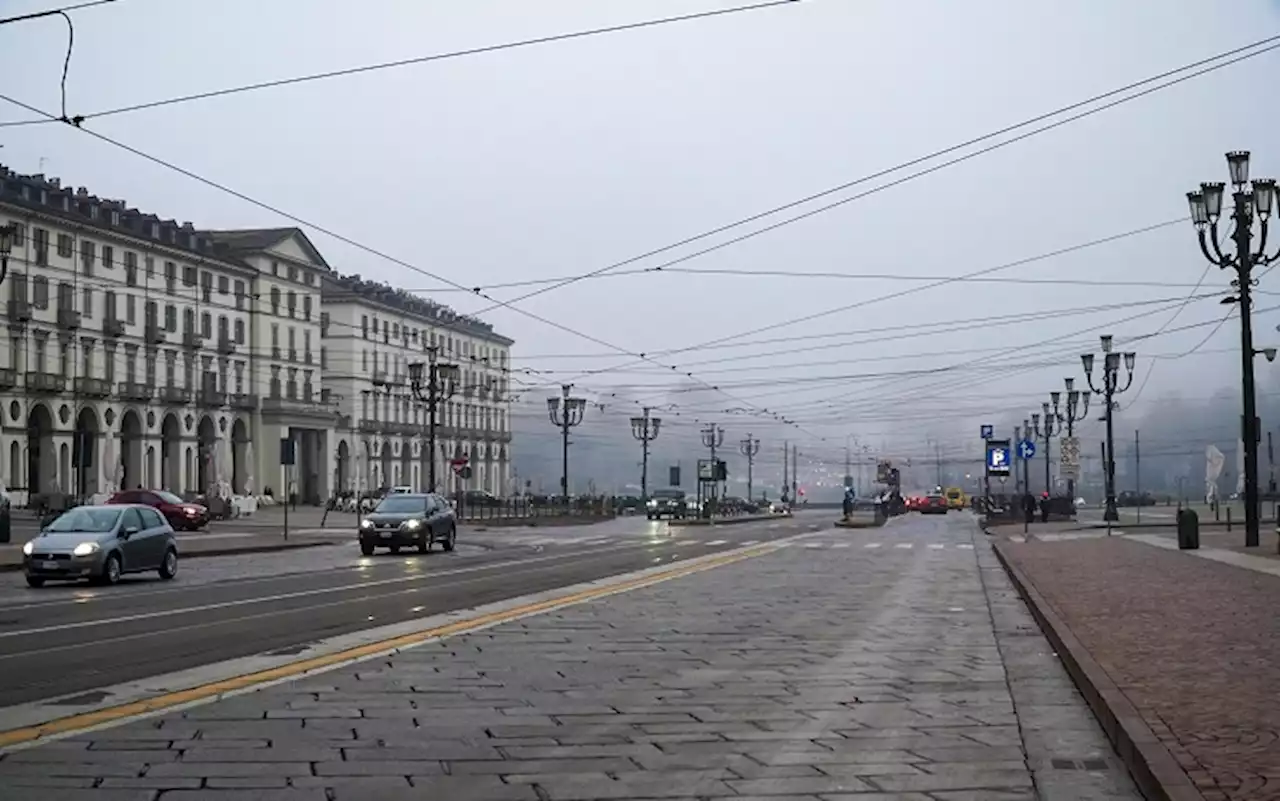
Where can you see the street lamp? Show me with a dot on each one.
(750, 448)
(566, 413)
(1074, 411)
(645, 430)
(712, 437)
(433, 383)
(1109, 389)
(1046, 434)
(8, 234)
(1206, 211)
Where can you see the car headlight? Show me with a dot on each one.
(412, 524)
(85, 549)
(28, 547)
(366, 524)
(653, 504)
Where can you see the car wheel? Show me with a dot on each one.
(424, 544)
(35, 581)
(169, 567)
(452, 539)
(366, 549)
(111, 570)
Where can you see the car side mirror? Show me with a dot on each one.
(130, 531)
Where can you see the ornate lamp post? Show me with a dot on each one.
(433, 384)
(1110, 387)
(645, 430)
(712, 437)
(1073, 412)
(566, 413)
(1046, 433)
(1206, 210)
(749, 448)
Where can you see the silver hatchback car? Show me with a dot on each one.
(101, 543)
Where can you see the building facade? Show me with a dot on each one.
(373, 333)
(139, 351)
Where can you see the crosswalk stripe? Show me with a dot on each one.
(750, 542)
(717, 542)
(872, 545)
(965, 546)
(815, 545)
(936, 546)
(905, 545)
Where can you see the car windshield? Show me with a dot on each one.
(402, 504)
(935, 497)
(168, 497)
(668, 495)
(97, 520)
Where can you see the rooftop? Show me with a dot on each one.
(354, 288)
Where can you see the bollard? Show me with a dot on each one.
(1217, 512)
(1228, 518)
(1189, 529)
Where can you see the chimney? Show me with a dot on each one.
(56, 183)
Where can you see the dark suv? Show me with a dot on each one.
(400, 520)
(666, 503)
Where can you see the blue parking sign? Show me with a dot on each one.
(987, 431)
(999, 457)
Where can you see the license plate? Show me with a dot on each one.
(49, 565)
(386, 535)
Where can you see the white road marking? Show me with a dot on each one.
(841, 545)
(749, 542)
(936, 546)
(872, 545)
(1017, 539)
(965, 546)
(717, 542)
(905, 545)
(815, 545)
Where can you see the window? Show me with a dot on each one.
(130, 268)
(86, 359)
(108, 257)
(324, 324)
(306, 307)
(66, 301)
(206, 287)
(170, 277)
(293, 303)
(364, 326)
(66, 246)
(188, 275)
(149, 264)
(86, 301)
(40, 241)
(170, 317)
(131, 309)
(239, 332)
(19, 233)
(224, 285)
(109, 308)
(170, 368)
(206, 325)
(189, 321)
(109, 362)
(88, 252)
(64, 358)
(275, 299)
(240, 295)
(275, 340)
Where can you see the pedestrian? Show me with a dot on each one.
(1029, 507)
(1044, 508)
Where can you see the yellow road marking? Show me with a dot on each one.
(122, 712)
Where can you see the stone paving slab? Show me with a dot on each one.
(818, 675)
(1192, 643)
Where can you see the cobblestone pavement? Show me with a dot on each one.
(1193, 643)
(912, 674)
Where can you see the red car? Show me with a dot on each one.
(181, 515)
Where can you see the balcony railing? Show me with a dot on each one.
(45, 382)
(380, 378)
(226, 346)
(113, 328)
(69, 319)
(175, 395)
(243, 401)
(92, 387)
(193, 340)
(155, 335)
(211, 398)
(8, 378)
(135, 391)
(370, 426)
(19, 310)
(295, 405)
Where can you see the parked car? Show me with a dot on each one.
(475, 499)
(401, 520)
(183, 516)
(665, 503)
(101, 543)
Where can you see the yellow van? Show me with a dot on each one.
(956, 498)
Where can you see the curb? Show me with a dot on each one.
(272, 548)
(728, 521)
(1153, 768)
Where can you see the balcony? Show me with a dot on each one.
(8, 378)
(502, 436)
(403, 429)
(112, 328)
(295, 408)
(19, 311)
(46, 383)
(226, 346)
(293, 354)
(135, 391)
(306, 358)
(275, 352)
(92, 387)
(370, 426)
(379, 378)
(344, 422)
(155, 335)
(68, 319)
(192, 340)
(243, 401)
(211, 398)
(177, 396)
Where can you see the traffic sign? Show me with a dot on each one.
(1069, 457)
(998, 458)
(1026, 449)
(459, 466)
(987, 431)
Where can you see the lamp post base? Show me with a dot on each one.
(1112, 514)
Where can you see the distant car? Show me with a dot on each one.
(101, 543)
(181, 515)
(401, 520)
(779, 508)
(934, 504)
(665, 503)
(476, 499)
(401, 490)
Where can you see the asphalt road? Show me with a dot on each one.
(65, 640)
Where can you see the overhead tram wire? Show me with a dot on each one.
(386, 65)
(1267, 44)
(342, 238)
(53, 12)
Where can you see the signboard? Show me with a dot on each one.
(848, 482)
(884, 472)
(987, 431)
(999, 457)
(1069, 457)
(1026, 449)
(712, 471)
(673, 475)
(288, 454)
(460, 465)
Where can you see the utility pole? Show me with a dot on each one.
(565, 413)
(1206, 210)
(712, 437)
(440, 385)
(786, 449)
(1111, 386)
(1137, 473)
(645, 430)
(749, 448)
(795, 472)
(937, 458)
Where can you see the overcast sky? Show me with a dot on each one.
(563, 158)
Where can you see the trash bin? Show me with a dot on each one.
(1188, 530)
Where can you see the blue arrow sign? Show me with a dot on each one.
(998, 459)
(987, 431)
(1026, 449)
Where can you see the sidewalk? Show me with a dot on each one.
(797, 675)
(1191, 645)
